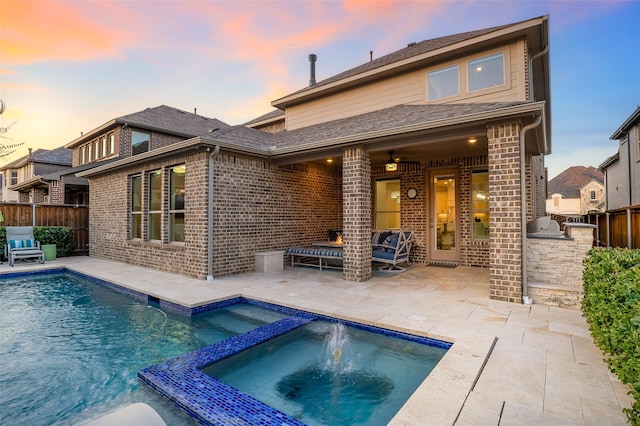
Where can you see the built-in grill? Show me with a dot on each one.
(544, 227)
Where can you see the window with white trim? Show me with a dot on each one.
(136, 207)
(443, 83)
(485, 72)
(176, 203)
(154, 213)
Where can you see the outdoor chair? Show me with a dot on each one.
(394, 250)
(21, 245)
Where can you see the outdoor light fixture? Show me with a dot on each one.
(329, 160)
(391, 165)
(472, 139)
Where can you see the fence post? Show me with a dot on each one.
(629, 245)
(33, 214)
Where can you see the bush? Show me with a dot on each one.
(611, 306)
(61, 236)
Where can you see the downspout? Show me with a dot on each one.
(210, 214)
(523, 210)
(536, 56)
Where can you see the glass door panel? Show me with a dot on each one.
(444, 216)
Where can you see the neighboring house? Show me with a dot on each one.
(445, 137)
(17, 175)
(576, 191)
(622, 170)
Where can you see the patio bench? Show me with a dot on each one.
(326, 258)
(21, 245)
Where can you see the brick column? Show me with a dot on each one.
(56, 192)
(356, 195)
(505, 243)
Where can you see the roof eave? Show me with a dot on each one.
(27, 184)
(92, 134)
(624, 128)
(497, 114)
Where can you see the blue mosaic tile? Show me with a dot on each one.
(209, 400)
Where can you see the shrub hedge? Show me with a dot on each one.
(611, 306)
(61, 236)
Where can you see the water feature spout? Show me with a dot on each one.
(336, 341)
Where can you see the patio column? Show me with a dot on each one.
(505, 245)
(356, 213)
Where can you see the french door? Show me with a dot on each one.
(444, 239)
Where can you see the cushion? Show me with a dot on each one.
(392, 240)
(22, 243)
(379, 237)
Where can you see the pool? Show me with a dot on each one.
(55, 319)
(260, 354)
(68, 345)
(328, 373)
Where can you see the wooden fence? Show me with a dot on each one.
(75, 217)
(617, 228)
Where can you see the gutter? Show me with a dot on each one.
(523, 211)
(215, 151)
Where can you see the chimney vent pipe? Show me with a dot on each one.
(312, 65)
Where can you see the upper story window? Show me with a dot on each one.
(443, 83)
(97, 149)
(592, 195)
(14, 177)
(139, 142)
(466, 77)
(485, 72)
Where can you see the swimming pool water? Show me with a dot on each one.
(67, 344)
(363, 379)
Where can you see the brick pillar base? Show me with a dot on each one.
(356, 189)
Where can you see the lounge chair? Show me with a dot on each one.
(395, 250)
(22, 245)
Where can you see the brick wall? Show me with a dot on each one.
(554, 267)
(414, 213)
(257, 207)
(56, 192)
(505, 250)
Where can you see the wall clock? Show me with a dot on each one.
(412, 193)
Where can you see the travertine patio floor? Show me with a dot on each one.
(511, 364)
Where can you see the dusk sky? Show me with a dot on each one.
(69, 67)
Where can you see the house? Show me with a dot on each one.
(620, 226)
(577, 191)
(622, 170)
(22, 178)
(445, 137)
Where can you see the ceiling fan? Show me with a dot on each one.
(391, 165)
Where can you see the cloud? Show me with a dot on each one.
(43, 31)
